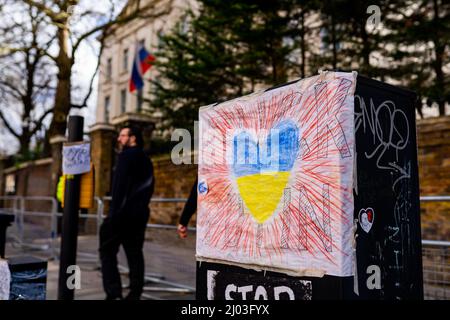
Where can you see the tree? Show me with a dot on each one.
(420, 36)
(226, 49)
(26, 74)
(68, 41)
(350, 40)
(232, 48)
(196, 63)
(333, 17)
(307, 34)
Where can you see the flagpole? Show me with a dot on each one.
(138, 90)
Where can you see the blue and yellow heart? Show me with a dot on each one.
(262, 171)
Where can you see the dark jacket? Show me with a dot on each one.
(191, 205)
(132, 188)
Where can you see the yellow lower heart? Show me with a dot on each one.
(262, 192)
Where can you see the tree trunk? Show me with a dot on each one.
(333, 41)
(27, 100)
(278, 66)
(24, 141)
(439, 50)
(302, 45)
(365, 50)
(62, 102)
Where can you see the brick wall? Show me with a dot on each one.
(33, 179)
(175, 181)
(433, 137)
(171, 181)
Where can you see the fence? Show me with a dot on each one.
(436, 262)
(29, 236)
(31, 232)
(436, 269)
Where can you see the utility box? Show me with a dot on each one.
(310, 191)
(387, 188)
(28, 278)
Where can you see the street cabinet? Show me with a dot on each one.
(310, 191)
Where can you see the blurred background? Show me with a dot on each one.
(63, 57)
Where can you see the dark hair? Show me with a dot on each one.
(136, 132)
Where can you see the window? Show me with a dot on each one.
(108, 69)
(107, 105)
(160, 38)
(125, 59)
(184, 25)
(123, 101)
(10, 185)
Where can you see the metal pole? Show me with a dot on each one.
(54, 227)
(70, 217)
(21, 220)
(100, 209)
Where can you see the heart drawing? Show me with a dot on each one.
(262, 169)
(366, 217)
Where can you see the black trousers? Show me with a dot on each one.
(132, 240)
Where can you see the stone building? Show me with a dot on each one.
(116, 106)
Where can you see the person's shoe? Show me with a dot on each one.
(131, 296)
(113, 298)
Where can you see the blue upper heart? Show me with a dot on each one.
(251, 158)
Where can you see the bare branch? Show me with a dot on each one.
(10, 51)
(43, 8)
(12, 90)
(8, 126)
(26, 77)
(45, 52)
(91, 83)
(39, 121)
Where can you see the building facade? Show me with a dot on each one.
(115, 104)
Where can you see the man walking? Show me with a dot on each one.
(132, 188)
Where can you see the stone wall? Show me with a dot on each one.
(433, 136)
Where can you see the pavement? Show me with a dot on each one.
(170, 265)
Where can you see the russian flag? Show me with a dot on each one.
(142, 62)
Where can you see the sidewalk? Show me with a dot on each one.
(166, 257)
